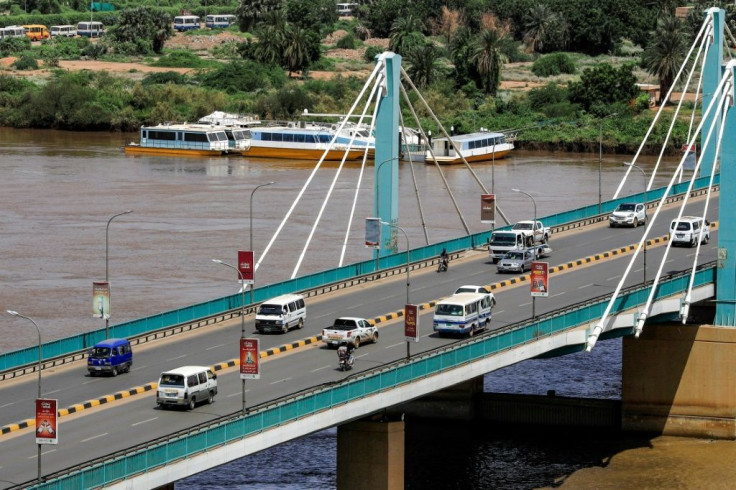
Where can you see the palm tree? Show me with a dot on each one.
(296, 50)
(251, 12)
(488, 58)
(544, 29)
(405, 35)
(423, 64)
(271, 38)
(664, 56)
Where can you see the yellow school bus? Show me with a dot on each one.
(36, 32)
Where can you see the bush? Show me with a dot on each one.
(181, 59)
(94, 51)
(548, 95)
(165, 77)
(553, 64)
(243, 76)
(371, 52)
(26, 62)
(346, 42)
(14, 45)
(561, 110)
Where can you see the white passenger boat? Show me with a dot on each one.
(299, 142)
(482, 146)
(180, 139)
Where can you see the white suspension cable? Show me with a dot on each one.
(373, 94)
(414, 177)
(707, 23)
(687, 299)
(599, 327)
(695, 103)
(378, 82)
(376, 69)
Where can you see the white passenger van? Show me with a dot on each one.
(63, 31)
(12, 31)
(90, 29)
(281, 313)
(689, 230)
(186, 386)
(186, 22)
(220, 21)
(463, 313)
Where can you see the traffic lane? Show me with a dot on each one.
(426, 285)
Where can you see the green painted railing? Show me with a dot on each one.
(81, 342)
(196, 440)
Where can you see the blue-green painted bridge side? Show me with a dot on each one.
(195, 440)
(77, 343)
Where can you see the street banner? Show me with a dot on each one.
(411, 323)
(372, 232)
(245, 265)
(540, 278)
(101, 299)
(47, 429)
(689, 163)
(488, 208)
(250, 367)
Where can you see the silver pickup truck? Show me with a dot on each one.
(521, 260)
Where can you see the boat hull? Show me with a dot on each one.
(299, 153)
(456, 160)
(145, 150)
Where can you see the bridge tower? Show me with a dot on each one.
(386, 167)
(712, 74)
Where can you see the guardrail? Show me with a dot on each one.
(148, 456)
(23, 361)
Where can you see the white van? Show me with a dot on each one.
(463, 313)
(63, 31)
(187, 22)
(281, 313)
(688, 230)
(186, 386)
(12, 31)
(90, 29)
(220, 21)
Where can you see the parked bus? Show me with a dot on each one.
(186, 22)
(36, 32)
(220, 21)
(90, 29)
(63, 31)
(12, 31)
(346, 9)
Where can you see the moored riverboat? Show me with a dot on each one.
(299, 143)
(482, 146)
(180, 139)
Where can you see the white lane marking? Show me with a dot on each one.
(280, 381)
(497, 312)
(7, 405)
(36, 455)
(143, 422)
(177, 357)
(671, 260)
(612, 278)
(139, 368)
(50, 392)
(239, 393)
(586, 286)
(558, 294)
(394, 345)
(215, 347)
(639, 269)
(94, 437)
(525, 304)
(90, 381)
(362, 355)
(320, 369)
(690, 255)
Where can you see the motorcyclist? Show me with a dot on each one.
(345, 352)
(444, 259)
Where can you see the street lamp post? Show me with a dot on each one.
(15, 313)
(408, 282)
(242, 310)
(107, 235)
(600, 158)
(534, 230)
(631, 164)
(253, 284)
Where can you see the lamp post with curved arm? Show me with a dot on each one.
(534, 231)
(408, 264)
(38, 330)
(631, 164)
(107, 235)
(253, 284)
(242, 310)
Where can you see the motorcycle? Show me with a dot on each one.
(443, 263)
(345, 358)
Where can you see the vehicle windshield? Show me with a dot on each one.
(100, 353)
(266, 309)
(465, 290)
(172, 380)
(514, 256)
(449, 310)
(503, 239)
(522, 226)
(626, 207)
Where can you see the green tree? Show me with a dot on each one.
(296, 49)
(461, 54)
(311, 14)
(405, 35)
(424, 65)
(489, 58)
(666, 54)
(604, 85)
(544, 29)
(271, 36)
(142, 29)
(251, 12)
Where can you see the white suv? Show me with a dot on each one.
(628, 214)
(688, 229)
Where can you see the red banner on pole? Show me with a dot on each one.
(47, 430)
(540, 279)
(245, 265)
(487, 208)
(411, 323)
(250, 367)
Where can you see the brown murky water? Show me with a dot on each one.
(60, 188)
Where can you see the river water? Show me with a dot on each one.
(60, 188)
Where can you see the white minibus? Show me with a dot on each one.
(220, 21)
(463, 313)
(186, 22)
(63, 31)
(281, 313)
(90, 29)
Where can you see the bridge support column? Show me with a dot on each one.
(370, 455)
(680, 380)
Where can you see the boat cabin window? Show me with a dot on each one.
(161, 135)
(201, 137)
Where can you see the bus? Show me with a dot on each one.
(12, 31)
(346, 9)
(90, 29)
(463, 313)
(186, 22)
(36, 32)
(220, 21)
(63, 31)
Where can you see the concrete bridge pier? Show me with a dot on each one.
(370, 455)
(680, 380)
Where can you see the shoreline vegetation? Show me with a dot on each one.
(510, 71)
